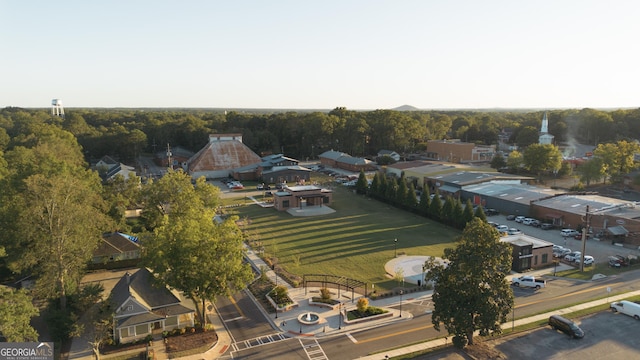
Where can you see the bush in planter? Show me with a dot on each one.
(362, 305)
(280, 295)
(325, 294)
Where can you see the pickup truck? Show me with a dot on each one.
(528, 281)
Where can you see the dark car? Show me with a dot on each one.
(511, 217)
(621, 260)
(565, 325)
(491, 212)
(546, 226)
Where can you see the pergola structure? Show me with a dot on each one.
(338, 282)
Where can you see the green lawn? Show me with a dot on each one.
(355, 241)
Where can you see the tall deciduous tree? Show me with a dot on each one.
(188, 250)
(539, 158)
(471, 292)
(62, 221)
(55, 211)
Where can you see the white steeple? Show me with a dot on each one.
(545, 137)
(545, 124)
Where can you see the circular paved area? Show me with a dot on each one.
(410, 266)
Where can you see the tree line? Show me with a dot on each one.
(126, 133)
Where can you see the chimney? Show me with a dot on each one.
(128, 276)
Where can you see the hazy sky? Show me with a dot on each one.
(320, 54)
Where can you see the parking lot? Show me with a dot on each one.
(600, 250)
(607, 336)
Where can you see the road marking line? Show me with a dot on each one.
(352, 338)
(395, 334)
(565, 295)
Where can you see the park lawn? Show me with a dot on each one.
(355, 241)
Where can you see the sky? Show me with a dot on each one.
(362, 55)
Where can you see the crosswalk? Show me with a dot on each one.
(313, 349)
(310, 345)
(261, 340)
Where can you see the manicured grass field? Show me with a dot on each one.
(355, 241)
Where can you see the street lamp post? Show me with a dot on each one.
(395, 248)
(340, 317)
(276, 289)
(555, 267)
(400, 303)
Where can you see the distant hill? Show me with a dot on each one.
(406, 108)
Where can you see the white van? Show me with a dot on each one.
(627, 308)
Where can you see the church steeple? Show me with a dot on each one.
(545, 124)
(545, 137)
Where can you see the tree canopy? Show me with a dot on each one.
(188, 250)
(471, 292)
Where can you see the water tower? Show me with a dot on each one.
(56, 108)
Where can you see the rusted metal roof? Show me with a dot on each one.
(223, 155)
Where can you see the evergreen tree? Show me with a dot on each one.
(435, 207)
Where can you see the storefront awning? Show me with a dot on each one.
(618, 230)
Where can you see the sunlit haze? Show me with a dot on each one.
(320, 55)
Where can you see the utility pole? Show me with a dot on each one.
(585, 230)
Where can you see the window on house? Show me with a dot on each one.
(535, 260)
(142, 329)
(285, 204)
(545, 258)
(129, 308)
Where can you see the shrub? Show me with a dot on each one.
(362, 305)
(325, 294)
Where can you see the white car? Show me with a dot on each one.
(573, 256)
(529, 221)
(514, 231)
(502, 228)
(569, 232)
(560, 253)
(520, 218)
(588, 260)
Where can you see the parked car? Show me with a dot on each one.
(491, 212)
(565, 325)
(588, 260)
(514, 231)
(530, 221)
(579, 236)
(573, 256)
(557, 247)
(495, 225)
(614, 262)
(502, 228)
(562, 252)
(520, 218)
(618, 261)
(546, 226)
(511, 217)
(568, 232)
